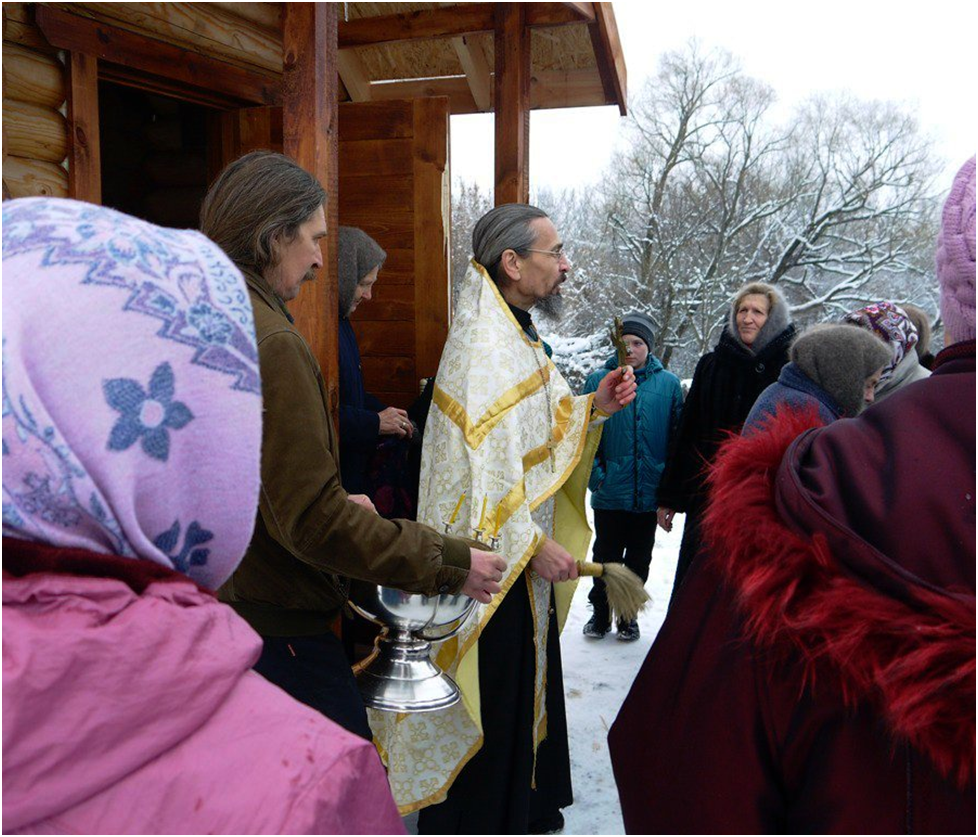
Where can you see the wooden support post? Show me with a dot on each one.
(432, 221)
(512, 104)
(84, 152)
(309, 127)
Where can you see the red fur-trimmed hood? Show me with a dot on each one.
(810, 587)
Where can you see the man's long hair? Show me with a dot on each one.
(507, 227)
(255, 198)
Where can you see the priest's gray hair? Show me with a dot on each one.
(506, 227)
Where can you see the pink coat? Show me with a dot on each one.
(138, 712)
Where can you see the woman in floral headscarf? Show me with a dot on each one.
(131, 434)
(890, 323)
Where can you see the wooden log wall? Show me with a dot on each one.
(35, 130)
(393, 185)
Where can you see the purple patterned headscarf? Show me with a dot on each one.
(891, 324)
(131, 394)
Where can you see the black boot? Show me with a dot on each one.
(597, 626)
(628, 631)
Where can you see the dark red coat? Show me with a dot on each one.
(818, 673)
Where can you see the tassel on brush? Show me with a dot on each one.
(626, 593)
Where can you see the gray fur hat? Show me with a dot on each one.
(839, 359)
(639, 324)
(358, 255)
(778, 315)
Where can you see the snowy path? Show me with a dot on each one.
(597, 677)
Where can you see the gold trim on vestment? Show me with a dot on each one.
(498, 598)
(557, 432)
(535, 504)
(504, 305)
(515, 497)
(475, 434)
(540, 694)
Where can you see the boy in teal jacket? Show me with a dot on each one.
(627, 469)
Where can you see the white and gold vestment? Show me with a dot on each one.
(505, 430)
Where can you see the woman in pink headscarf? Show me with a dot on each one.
(131, 433)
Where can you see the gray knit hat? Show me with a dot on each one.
(839, 358)
(358, 255)
(639, 324)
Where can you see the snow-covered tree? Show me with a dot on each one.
(836, 205)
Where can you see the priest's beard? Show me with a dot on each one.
(552, 307)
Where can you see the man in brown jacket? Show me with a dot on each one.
(310, 538)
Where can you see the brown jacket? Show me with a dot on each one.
(309, 540)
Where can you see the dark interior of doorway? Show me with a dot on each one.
(154, 154)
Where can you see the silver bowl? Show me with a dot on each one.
(400, 675)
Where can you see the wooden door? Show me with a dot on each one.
(394, 184)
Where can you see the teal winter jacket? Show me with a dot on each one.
(633, 448)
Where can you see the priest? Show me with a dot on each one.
(507, 452)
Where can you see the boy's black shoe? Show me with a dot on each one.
(596, 628)
(628, 631)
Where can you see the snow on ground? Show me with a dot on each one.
(597, 676)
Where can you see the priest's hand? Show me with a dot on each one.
(553, 563)
(485, 572)
(616, 390)
(664, 518)
(362, 500)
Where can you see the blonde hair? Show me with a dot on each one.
(756, 289)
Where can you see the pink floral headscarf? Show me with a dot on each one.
(890, 323)
(131, 393)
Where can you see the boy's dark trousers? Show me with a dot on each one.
(621, 537)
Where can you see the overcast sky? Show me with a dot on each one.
(922, 56)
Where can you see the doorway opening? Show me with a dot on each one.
(154, 154)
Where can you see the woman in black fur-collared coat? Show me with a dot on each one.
(748, 357)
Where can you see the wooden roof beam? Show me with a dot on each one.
(452, 22)
(137, 52)
(445, 22)
(477, 72)
(609, 56)
(548, 89)
(584, 11)
(353, 74)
